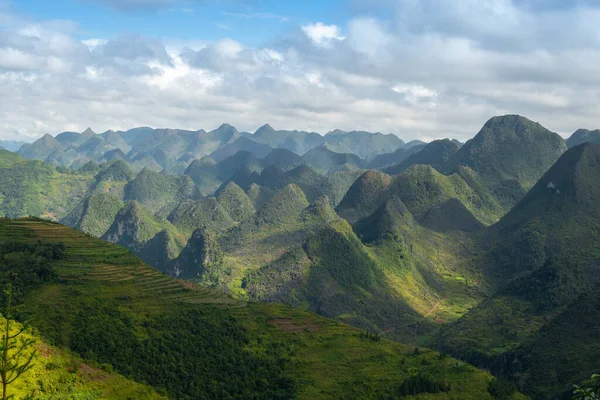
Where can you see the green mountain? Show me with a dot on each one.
(544, 261)
(112, 310)
(11, 145)
(200, 260)
(41, 148)
(325, 160)
(283, 159)
(36, 188)
(510, 153)
(395, 157)
(365, 145)
(428, 256)
(206, 213)
(583, 135)
(364, 196)
(235, 202)
(556, 215)
(154, 190)
(259, 195)
(134, 226)
(437, 154)
(420, 187)
(116, 171)
(241, 144)
(449, 216)
(284, 206)
(94, 214)
(297, 141)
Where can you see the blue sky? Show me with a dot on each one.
(421, 69)
(250, 23)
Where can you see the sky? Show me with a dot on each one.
(420, 69)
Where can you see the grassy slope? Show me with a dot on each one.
(36, 188)
(511, 153)
(543, 256)
(60, 374)
(329, 359)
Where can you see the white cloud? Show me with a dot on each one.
(367, 36)
(323, 35)
(427, 72)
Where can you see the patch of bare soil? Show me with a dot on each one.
(288, 325)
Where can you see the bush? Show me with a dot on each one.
(502, 388)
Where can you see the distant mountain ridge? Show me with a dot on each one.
(174, 149)
(408, 244)
(583, 135)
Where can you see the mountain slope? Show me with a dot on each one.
(437, 154)
(581, 136)
(109, 307)
(543, 257)
(556, 215)
(241, 144)
(510, 153)
(35, 188)
(395, 157)
(41, 148)
(95, 213)
(134, 226)
(154, 190)
(204, 213)
(364, 196)
(235, 202)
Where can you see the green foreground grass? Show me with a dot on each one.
(319, 358)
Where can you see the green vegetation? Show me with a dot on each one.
(588, 393)
(205, 213)
(284, 206)
(16, 351)
(429, 256)
(134, 227)
(153, 190)
(235, 202)
(581, 136)
(421, 187)
(511, 153)
(364, 196)
(191, 342)
(116, 171)
(258, 195)
(502, 388)
(36, 188)
(95, 213)
(538, 327)
(437, 154)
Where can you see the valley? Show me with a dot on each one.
(328, 259)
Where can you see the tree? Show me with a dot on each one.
(588, 393)
(15, 355)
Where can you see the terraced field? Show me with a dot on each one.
(323, 358)
(91, 260)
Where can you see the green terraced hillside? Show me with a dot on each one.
(187, 341)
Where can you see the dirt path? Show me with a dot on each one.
(435, 306)
(427, 314)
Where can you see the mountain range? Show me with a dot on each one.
(487, 250)
(172, 150)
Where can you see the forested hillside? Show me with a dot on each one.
(482, 251)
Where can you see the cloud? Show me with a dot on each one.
(426, 71)
(323, 35)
